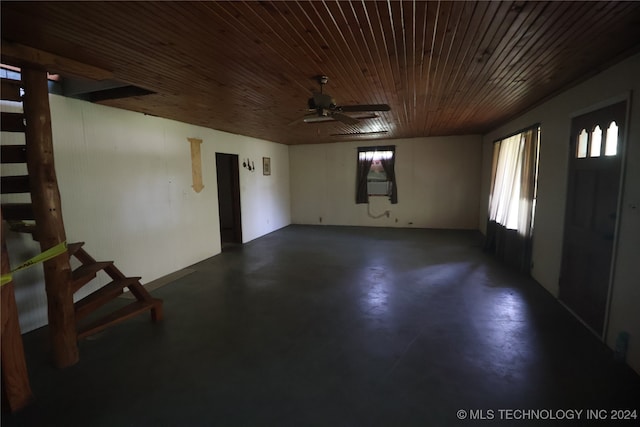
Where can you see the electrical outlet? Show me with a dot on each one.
(320, 219)
(396, 220)
(387, 213)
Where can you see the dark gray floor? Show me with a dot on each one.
(336, 326)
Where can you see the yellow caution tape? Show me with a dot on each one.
(44, 256)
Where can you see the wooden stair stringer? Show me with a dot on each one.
(72, 248)
(92, 302)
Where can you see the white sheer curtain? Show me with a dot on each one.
(505, 202)
(513, 185)
(512, 199)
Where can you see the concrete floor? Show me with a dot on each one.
(336, 326)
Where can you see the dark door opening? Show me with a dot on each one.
(229, 199)
(591, 213)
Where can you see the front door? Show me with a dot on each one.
(591, 212)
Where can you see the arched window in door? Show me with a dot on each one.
(611, 144)
(596, 142)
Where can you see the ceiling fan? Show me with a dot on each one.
(324, 108)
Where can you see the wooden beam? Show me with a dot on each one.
(47, 209)
(25, 56)
(16, 391)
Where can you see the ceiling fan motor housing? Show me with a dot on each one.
(321, 100)
(320, 110)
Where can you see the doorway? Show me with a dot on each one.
(591, 213)
(228, 173)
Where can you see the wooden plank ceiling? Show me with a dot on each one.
(248, 67)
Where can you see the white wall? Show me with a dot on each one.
(555, 118)
(125, 183)
(438, 184)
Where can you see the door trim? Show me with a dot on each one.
(236, 207)
(616, 228)
(626, 97)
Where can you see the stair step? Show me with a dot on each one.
(118, 316)
(14, 153)
(15, 184)
(23, 227)
(10, 90)
(72, 248)
(103, 295)
(85, 273)
(12, 122)
(17, 211)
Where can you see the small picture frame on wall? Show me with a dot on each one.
(266, 166)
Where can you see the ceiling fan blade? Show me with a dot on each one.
(325, 119)
(301, 119)
(318, 119)
(345, 119)
(364, 107)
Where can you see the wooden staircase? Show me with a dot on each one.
(89, 304)
(42, 218)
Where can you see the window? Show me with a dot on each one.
(513, 193)
(377, 182)
(611, 145)
(583, 140)
(512, 201)
(376, 173)
(592, 143)
(596, 141)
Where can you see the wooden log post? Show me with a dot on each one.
(16, 391)
(45, 198)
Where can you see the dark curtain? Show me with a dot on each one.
(362, 193)
(514, 246)
(390, 169)
(509, 246)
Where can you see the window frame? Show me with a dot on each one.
(390, 175)
(376, 156)
(537, 128)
